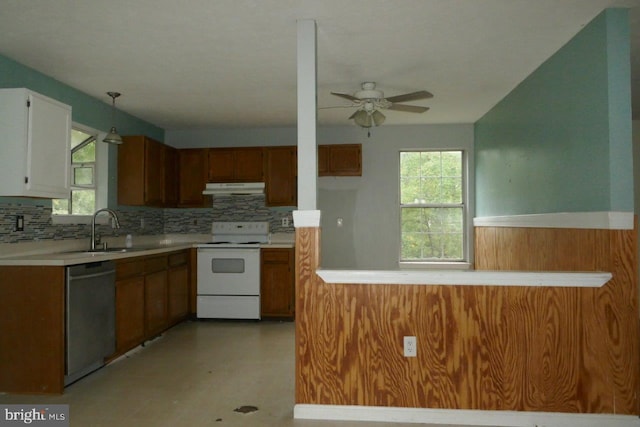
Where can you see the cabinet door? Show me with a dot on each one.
(155, 307)
(280, 176)
(323, 160)
(248, 164)
(32, 303)
(129, 313)
(178, 293)
(170, 181)
(35, 142)
(345, 160)
(221, 168)
(153, 173)
(243, 164)
(192, 168)
(131, 171)
(277, 283)
(49, 139)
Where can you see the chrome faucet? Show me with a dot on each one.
(116, 224)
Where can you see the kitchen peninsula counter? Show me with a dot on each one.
(585, 279)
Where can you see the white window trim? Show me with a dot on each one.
(469, 186)
(102, 181)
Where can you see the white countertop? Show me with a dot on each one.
(577, 279)
(63, 253)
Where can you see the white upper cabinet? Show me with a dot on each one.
(35, 138)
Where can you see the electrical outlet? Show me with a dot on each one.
(410, 347)
(285, 221)
(19, 222)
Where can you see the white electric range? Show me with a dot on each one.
(228, 271)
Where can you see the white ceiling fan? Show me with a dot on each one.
(370, 101)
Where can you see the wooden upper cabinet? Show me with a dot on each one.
(323, 160)
(153, 173)
(221, 164)
(244, 164)
(171, 177)
(280, 176)
(192, 171)
(140, 171)
(340, 160)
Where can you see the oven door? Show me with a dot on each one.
(228, 271)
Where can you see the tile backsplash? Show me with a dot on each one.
(139, 221)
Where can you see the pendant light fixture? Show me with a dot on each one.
(113, 137)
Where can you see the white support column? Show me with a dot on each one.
(307, 116)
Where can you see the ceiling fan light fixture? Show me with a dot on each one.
(370, 101)
(378, 118)
(362, 119)
(113, 137)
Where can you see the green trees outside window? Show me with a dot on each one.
(432, 211)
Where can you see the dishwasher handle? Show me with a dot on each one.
(91, 276)
(90, 270)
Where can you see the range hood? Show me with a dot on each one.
(234, 188)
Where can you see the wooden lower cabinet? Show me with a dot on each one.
(178, 282)
(129, 313)
(155, 303)
(152, 294)
(32, 329)
(277, 283)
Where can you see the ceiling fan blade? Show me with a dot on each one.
(353, 115)
(407, 108)
(346, 96)
(413, 96)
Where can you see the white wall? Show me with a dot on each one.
(636, 174)
(636, 165)
(368, 205)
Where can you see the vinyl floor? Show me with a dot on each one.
(199, 373)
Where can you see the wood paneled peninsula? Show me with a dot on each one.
(529, 347)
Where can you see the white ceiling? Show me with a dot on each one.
(232, 63)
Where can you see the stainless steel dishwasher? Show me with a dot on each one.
(90, 318)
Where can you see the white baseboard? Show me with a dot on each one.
(593, 220)
(461, 417)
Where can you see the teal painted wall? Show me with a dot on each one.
(86, 110)
(561, 140)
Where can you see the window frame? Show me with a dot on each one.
(467, 209)
(100, 172)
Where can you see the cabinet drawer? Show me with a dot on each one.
(128, 268)
(179, 258)
(154, 264)
(275, 255)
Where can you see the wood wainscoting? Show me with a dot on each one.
(545, 349)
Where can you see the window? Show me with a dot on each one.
(83, 177)
(89, 178)
(433, 206)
